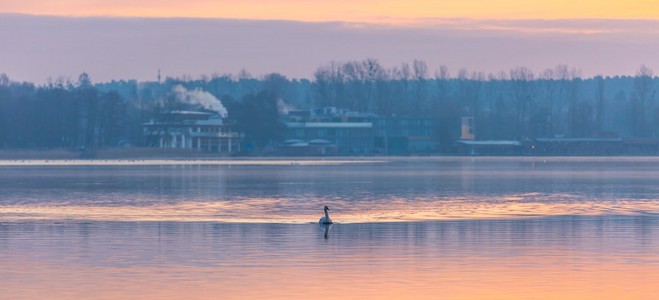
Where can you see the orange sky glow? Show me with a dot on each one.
(386, 11)
(599, 37)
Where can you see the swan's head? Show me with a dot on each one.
(326, 208)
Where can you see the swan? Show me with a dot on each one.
(326, 219)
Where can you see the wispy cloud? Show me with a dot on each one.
(528, 26)
(38, 47)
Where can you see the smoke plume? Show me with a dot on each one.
(284, 107)
(201, 97)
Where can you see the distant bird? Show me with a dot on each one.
(326, 219)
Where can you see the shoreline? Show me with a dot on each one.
(148, 154)
(55, 160)
(182, 162)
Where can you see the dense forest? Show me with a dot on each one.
(514, 104)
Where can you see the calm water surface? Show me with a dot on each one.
(408, 228)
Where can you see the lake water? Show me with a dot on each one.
(413, 228)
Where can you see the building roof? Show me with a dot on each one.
(641, 141)
(190, 112)
(185, 123)
(209, 122)
(319, 141)
(578, 140)
(186, 118)
(329, 124)
(293, 141)
(295, 145)
(490, 143)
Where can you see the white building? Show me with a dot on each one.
(200, 130)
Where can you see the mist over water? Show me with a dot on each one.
(422, 228)
(294, 192)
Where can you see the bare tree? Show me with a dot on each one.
(420, 75)
(643, 103)
(404, 76)
(560, 92)
(523, 93)
(447, 111)
(599, 97)
(442, 77)
(4, 80)
(329, 83)
(373, 74)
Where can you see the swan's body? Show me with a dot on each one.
(326, 219)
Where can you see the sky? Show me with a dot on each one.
(343, 10)
(120, 39)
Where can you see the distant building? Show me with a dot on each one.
(200, 130)
(576, 146)
(349, 138)
(486, 148)
(396, 135)
(316, 147)
(641, 146)
(328, 131)
(467, 129)
(333, 131)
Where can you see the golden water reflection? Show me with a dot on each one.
(549, 258)
(492, 228)
(388, 210)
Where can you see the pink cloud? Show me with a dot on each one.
(37, 48)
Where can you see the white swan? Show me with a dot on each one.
(326, 219)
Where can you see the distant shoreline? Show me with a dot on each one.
(150, 154)
(181, 162)
(108, 153)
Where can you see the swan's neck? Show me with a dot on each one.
(326, 214)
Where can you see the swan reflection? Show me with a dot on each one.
(327, 228)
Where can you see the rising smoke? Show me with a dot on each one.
(284, 107)
(200, 97)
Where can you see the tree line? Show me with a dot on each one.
(515, 104)
(60, 115)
